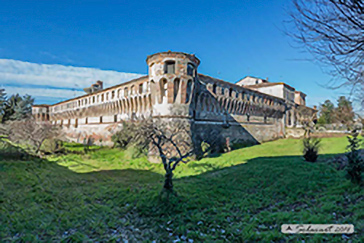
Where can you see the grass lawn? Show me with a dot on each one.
(244, 195)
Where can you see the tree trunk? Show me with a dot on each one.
(168, 183)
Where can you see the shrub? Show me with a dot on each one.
(52, 146)
(132, 140)
(10, 151)
(311, 148)
(134, 151)
(124, 137)
(355, 161)
(30, 134)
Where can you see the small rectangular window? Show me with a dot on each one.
(169, 67)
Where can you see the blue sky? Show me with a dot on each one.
(233, 39)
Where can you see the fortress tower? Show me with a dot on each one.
(172, 77)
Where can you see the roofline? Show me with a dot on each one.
(269, 84)
(244, 87)
(248, 76)
(300, 92)
(100, 91)
(191, 56)
(41, 105)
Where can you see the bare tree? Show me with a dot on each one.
(332, 30)
(170, 141)
(307, 118)
(30, 133)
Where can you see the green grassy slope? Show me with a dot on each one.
(244, 195)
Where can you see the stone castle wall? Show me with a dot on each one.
(211, 105)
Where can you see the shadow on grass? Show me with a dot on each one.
(264, 192)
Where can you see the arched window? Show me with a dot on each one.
(126, 91)
(190, 69)
(175, 88)
(214, 89)
(230, 92)
(188, 90)
(169, 67)
(163, 88)
(112, 94)
(140, 88)
(132, 90)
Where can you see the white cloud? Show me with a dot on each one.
(19, 72)
(44, 81)
(45, 92)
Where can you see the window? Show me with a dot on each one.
(214, 89)
(175, 89)
(112, 94)
(188, 90)
(163, 88)
(140, 88)
(132, 90)
(86, 120)
(126, 92)
(102, 98)
(169, 67)
(190, 69)
(100, 119)
(93, 99)
(115, 118)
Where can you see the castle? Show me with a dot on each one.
(255, 110)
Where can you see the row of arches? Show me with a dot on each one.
(172, 91)
(125, 106)
(131, 90)
(242, 95)
(222, 105)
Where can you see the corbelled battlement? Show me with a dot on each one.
(207, 103)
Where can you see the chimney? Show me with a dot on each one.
(101, 84)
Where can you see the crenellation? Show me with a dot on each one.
(238, 111)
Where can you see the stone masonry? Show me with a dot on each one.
(243, 113)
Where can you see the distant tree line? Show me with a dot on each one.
(342, 113)
(15, 107)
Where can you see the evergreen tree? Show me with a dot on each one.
(17, 107)
(2, 102)
(327, 113)
(344, 113)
